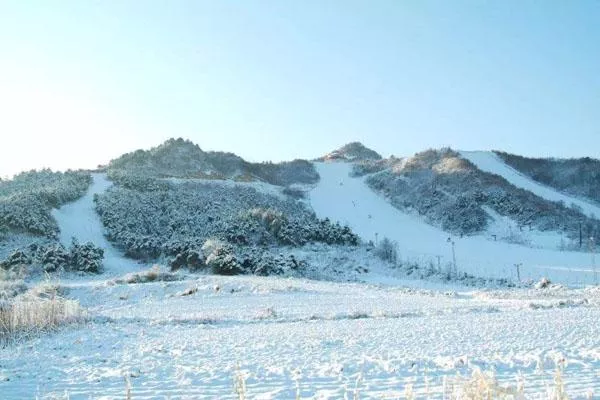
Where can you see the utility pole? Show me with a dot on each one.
(593, 251)
(453, 256)
(518, 267)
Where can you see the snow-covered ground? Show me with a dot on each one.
(351, 201)
(327, 338)
(508, 230)
(324, 340)
(489, 162)
(79, 220)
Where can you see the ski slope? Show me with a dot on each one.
(489, 162)
(350, 201)
(79, 220)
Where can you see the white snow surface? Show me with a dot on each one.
(508, 230)
(490, 162)
(322, 337)
(350, 201)
(326, 340)
(79, 220)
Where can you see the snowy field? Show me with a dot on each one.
(375, 339)
(328, 338)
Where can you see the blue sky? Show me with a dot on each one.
(84, 81)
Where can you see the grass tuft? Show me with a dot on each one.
(154, 274)
(26, 316)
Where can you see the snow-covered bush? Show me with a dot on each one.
(11, 288)
(294, 192)
(543, 283)
(221, 259)
(53, 256)
(367, 167)
(175, 219)
(263, 262)
(85, 257)
(270, 264)
(15, 259)
(27, 199)
(188, 258)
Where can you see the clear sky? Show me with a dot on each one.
(83, 81)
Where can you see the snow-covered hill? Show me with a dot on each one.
(579, 177)
(503, 219)
(381, 336)
(178, 158)
(349, 200)
(489, 162)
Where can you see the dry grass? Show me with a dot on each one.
(154, 274)
(19, 272)
(188, 292)
(479, 386)
(482, 386)
(10, 289)
(239, 384)
(40, 309)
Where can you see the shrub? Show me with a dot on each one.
(188, 258)
(294, 193)
(220, 258)
(387, 250)
(85, 257)
(264, 263)
(16, 258)
(53, 257)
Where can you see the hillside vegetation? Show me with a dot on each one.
(576, 176)
(453, 194)
(27, 199)
(354, 151)
(178, 158)
(187, 222)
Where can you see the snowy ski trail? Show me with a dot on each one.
(489, 162)
(79, 220)
(349, 200)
